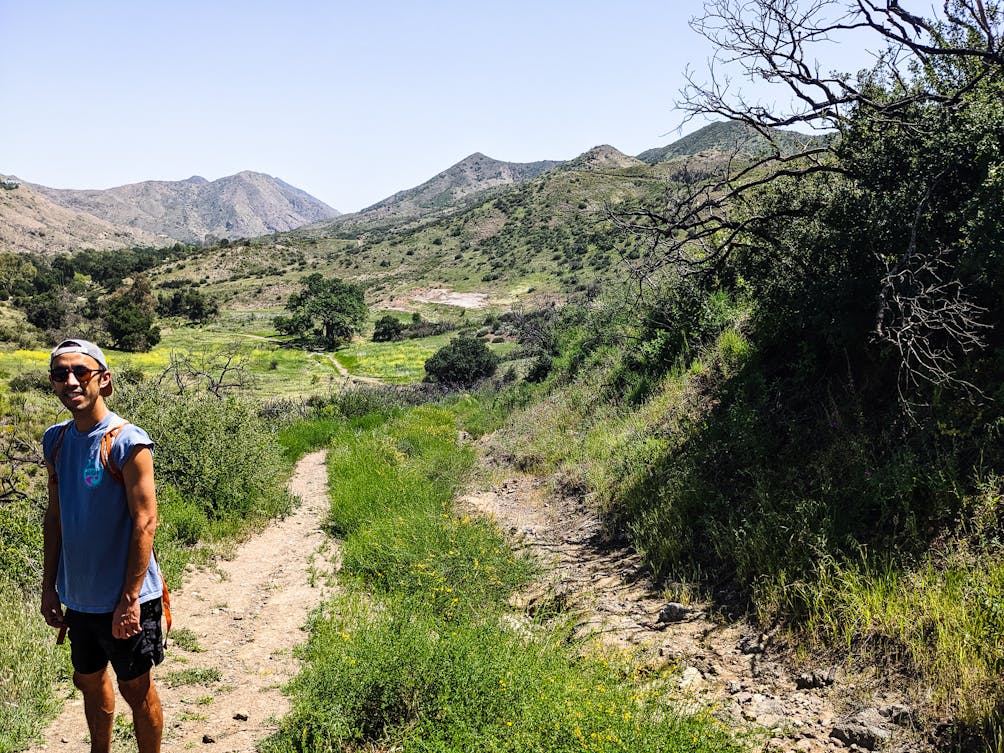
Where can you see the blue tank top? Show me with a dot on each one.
(95, 519)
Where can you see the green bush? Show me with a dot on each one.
(463, 361)
(387, 328)
(27, 381)
(218, 467)
(21, 542)
(30, 665)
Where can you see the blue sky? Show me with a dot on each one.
(348, 101)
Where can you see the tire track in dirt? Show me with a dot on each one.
(247, 615)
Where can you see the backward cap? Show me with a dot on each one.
(77, 345)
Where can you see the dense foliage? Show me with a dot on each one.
(463, 361)
(83, 294)
(325, 313)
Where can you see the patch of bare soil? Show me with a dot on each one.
(452, 298)
(245, 615)
(744, 676)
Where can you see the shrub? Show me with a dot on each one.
(463, 361)
(27, 381)
(386, 329)
(219, 468)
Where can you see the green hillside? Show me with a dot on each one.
(547, 236)
(728, 138)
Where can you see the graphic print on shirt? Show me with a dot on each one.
(93, 472)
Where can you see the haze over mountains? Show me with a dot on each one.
(35, 218)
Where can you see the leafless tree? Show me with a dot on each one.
(218, 372)
(922, 61)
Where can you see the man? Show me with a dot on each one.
(98, 539)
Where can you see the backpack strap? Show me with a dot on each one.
(106, 449)
(59, 443)
(106, 453)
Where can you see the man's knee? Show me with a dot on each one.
(139, 690)
(93, 682)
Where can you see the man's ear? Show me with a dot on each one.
(105, 383)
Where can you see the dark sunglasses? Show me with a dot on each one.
(82, 373)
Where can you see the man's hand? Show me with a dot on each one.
(125, 619)
(52, 609)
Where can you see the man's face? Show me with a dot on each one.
(78, 393)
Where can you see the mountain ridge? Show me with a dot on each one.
(32, 223)
(197, 210)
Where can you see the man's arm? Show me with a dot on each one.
(52, 544)
(137, 475)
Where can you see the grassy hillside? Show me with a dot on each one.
(549, 237)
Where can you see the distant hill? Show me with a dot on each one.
(603, 157)
(507, 236)
(196, 210)
(728, 137)
(451, 189)
(31, 223)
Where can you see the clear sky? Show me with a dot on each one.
(347, 101)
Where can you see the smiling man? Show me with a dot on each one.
(98, 539)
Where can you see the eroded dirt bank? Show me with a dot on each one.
(744, 676)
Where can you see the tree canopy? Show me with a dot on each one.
(463, 361)
(325, 313)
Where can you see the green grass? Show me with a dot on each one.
(186, 639)
(192, 676)
(416, 652)
(399, 362)
(30, 665)
(943, 618)
(395, 362)
(306, 436)
(275, 371)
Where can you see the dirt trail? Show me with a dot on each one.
(345, 372)
(728, 667)
(246, 615)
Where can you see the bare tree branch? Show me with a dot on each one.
(218, 372)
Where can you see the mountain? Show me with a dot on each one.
(451, 189)
(728, 137)
(507, 236)
(196, 210)
(31, 223)
(603, 157)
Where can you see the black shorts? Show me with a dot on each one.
(92, 645)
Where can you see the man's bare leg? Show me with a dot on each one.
(147, 716)
(99, 707)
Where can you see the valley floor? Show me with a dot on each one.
(237, 624)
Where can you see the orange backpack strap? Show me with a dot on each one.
(106, 452)
(59, 442)
(165, 596)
